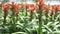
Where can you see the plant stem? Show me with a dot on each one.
(40, 23)
(4, 20)
(26, 12)
(5, 14)
(13, 20)
(31, 15)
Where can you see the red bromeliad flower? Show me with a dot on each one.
(46, 8)
(53, 9)
(13, 8)
(0, 4)
(41, 3)
(13, 5)
(32, 7)
(57, 8)
(27, 6)
(5, 7)
(17, 8)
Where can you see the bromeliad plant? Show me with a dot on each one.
(41, 3)
(32, 8)
(46, 8)
(15, 8)
(5, 9)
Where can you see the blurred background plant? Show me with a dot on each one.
(17, 22)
